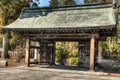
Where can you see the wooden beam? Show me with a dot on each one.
(27, 57)
(77, 34)
(35, 47)
(92, 52)
(5, 46)
(61, 36)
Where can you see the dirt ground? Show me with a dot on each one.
(13, 62)
(16, 70)
(37, 73)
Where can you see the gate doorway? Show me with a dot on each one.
(66, 53)
(73, 53)
(46, 52)
(84, 54)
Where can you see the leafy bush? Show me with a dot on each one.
(66, 50)
(73, 61)
(73, 53)
(61, 55)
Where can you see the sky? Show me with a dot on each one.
(46, 2)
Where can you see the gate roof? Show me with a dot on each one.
(93, 16)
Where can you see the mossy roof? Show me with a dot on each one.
(74, 17)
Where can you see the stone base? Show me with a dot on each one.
(3, 63)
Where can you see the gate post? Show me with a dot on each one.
(27, 56)
(53, 54)
(92, 52)
(36, 52)
(99, 55)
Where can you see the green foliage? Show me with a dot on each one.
(54, 3)
(61, 54)
(89, 1)
(12, 9)
(66, 51)
(66, 2)
(73, 61)
(61, 2)
(9, 12)
(15, 40)
(73, 53)
(111, 47)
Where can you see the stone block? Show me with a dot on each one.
(3, 63)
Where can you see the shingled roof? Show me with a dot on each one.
(80, 16)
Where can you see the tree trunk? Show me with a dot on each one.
(5, 46)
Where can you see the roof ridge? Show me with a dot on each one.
(92, 5)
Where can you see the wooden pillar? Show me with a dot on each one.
(99, 54)
(39, 55)
(5, 46)
(92, 52)
(27, 57)
(79, 53)
(36, 52)
(53, 55)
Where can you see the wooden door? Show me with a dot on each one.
(46, 52)
(84, 53)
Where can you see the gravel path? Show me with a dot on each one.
(24, 73)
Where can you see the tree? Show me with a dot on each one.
(54, 3)
(66, 2)
(1, 18)
(70, 2)
(8, 10)
(61, 2)
(12, 10)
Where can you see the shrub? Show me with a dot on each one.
(73, 53)
(61, 55)
(73, 61)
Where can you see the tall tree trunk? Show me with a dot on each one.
(5, 46)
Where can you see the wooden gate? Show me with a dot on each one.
(46, 52)
(84, 53)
